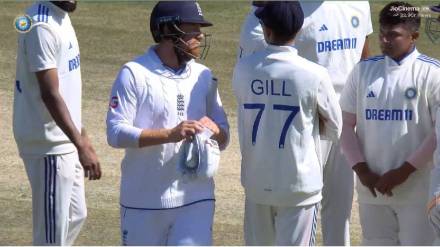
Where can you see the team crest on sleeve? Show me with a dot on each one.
(355, 21)
(114, 102)
(23, 23)
(411, 93)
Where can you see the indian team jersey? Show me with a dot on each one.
(280, 98)
(50, 44)
(149, 95)
(395, 105)
(335, 42)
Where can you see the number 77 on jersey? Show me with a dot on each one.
(275, 107)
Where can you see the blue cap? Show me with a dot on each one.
(284, 17)
(180, 11)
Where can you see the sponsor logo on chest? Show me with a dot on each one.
(74, 63)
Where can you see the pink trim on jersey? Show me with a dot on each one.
(423, 154)
(349, 141)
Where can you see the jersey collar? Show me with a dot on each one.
(282, 48)
(407, 59)
(165, 70)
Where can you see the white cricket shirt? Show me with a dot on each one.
(335, 43)
(148, 95)
(51, 43)
(333, 35)
(280, 96)
(395, 105)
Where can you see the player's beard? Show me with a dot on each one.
(186, 51)
(68, 6)
(190, 47)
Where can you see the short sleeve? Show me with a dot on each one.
(369, 24)
(41, 48)
(348, 100)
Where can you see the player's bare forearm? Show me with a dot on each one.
(49, 86)
(48, 82)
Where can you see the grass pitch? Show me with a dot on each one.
(110, 34)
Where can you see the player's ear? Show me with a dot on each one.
(415, 35)
(267, 34)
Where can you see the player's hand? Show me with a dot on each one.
(185, 129)
(366, 176)
(393, 178)
(208, 123)
(89, 161)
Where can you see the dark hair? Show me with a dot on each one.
(396, 13)
(284, 18)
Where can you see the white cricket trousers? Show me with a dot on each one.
(395, 224)
(58, 198)
(272, 225)
(337, 196)
(187, 225)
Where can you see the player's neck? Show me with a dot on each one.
(167, 55)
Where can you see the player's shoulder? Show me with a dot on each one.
(313, 8)
(428, 61)
(354, 4)
(198, 67)
(372, 60)
(310, 66)
(369, 64)
(250, 60)
(137, 64)
(40, 12)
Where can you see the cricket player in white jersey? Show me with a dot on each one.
(336, 43)
(158, 100)
(392, 101)
(282, 101)
(47, 123)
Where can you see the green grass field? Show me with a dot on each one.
(110, 34)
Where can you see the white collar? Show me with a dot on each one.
(160, 68)
(282, 48)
